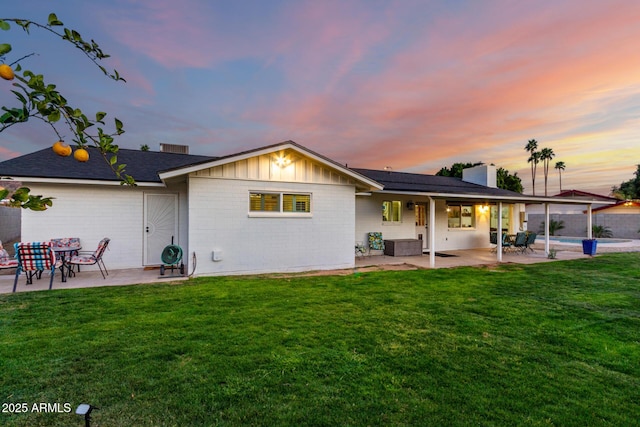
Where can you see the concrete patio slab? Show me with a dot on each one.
(471, 257)
(86, 279)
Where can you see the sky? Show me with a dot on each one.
(414, 85)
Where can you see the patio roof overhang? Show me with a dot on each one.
(492, 198)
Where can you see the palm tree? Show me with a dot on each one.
(546, 154)
(560, 166)
(534, 159)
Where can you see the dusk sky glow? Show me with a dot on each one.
(411, 84)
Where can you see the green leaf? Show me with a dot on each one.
(5, 48)
(54, 116)
(113, 160)
(20, 97)
(6, 118)
(118, 126)
(4, 193)
(53, 20)
(99, 116)
(4, 25)
(21, 194)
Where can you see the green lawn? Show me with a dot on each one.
(548, 344)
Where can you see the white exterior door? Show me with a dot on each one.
(160, 225)
(421, 224)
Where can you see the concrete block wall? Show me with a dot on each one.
(10, 220)
(575, 225)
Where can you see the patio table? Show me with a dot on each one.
(64, 253)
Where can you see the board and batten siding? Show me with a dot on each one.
(219, 219)
(92, 212)
(262, 168)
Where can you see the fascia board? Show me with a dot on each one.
(81, 181)
(515, 199)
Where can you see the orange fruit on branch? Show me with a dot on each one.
(62, 149)
(6, 72)
(81, 155)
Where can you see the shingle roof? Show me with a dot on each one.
(143, 166)
(413, 182)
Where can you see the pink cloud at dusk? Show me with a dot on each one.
(415, 85)
(477, 102)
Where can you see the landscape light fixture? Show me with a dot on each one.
(85, 409)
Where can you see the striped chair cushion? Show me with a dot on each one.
(36, 256)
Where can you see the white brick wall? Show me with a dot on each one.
(91, 213)
(219, 220)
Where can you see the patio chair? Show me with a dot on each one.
(520, 243)
(375, 241)
(34, 258)
(493, 239)
(531, 239)
(90, 258)
(67, 242)
(6, 261)
(507, 244)
(71, 242)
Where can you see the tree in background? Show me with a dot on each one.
(39, 100)
(546, 155)
(628, 190)
(507, 181)
(560, 166)
(504, 180)
(456, 169)
(534, 159)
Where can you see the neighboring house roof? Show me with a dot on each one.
(577, 194)
(626, 203)
(143, 166)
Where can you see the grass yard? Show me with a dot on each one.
(547, 344)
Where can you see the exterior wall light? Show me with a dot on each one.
(410, 205)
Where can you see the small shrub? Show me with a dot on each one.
(554, 226)
(600, 231)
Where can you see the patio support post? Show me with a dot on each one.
(589, 222)
(499, 231)
(546, 228)
(432, 233)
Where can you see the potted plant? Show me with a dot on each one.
(589, 246)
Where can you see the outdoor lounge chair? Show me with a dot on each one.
(34, 258)
(90, 258)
